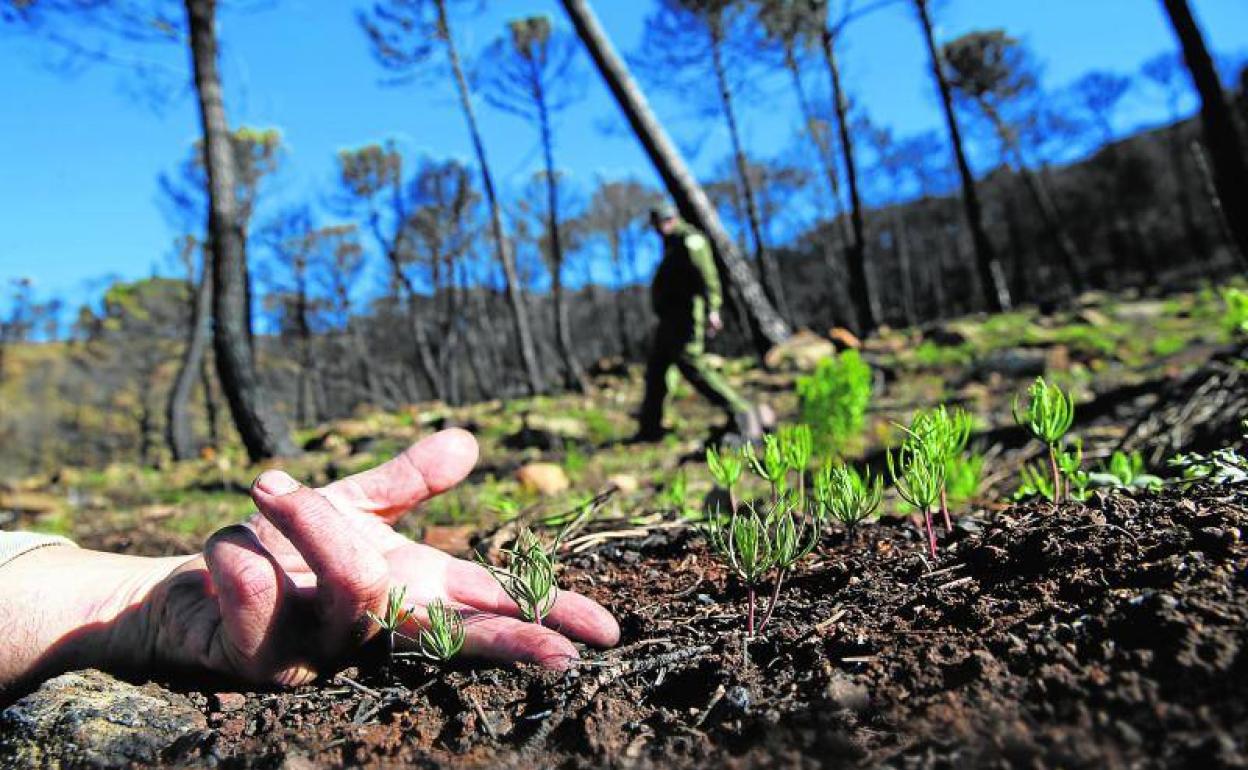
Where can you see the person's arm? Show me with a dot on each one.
(703, 258)
(278, 600)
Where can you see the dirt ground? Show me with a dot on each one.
(1105, 635)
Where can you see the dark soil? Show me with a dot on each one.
(1106, 635)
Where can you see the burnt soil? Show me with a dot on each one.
(1105, 635)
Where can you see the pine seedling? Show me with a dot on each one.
(918, 473)
(1049, 414)
(529, 577)
(793, 537)
(842, 494)
(946, 432)
(772, 467)
(797, 446)
(444, 637)
(744, 541)
(726, 469)
(394, 616)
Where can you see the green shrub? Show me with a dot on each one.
(833, 401)
(1235, 314)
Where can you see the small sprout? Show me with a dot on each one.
(773, 467)
(676, 496)
(1049, 414)
(793, 537)
(946, 433)
(1124, 471)
(444, 637)
(1035, 482)
(797, 446)
(726, 469)
(395, 615)
(743, 540)
(529, 577)
(918, 472)
(846, 496)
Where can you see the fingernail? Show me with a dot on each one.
(276, 483)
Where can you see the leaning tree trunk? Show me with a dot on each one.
(178, 431)
(770, 271)
(865, 303)
(262, 429)
(515, 294)
(574, 375)
(769, 327)
(1230, 171)
(991, 278)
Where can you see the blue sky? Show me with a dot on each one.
(81, 153)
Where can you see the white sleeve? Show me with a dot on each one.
(15, 544)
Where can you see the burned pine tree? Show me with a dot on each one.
(532, 75)
(405, 35)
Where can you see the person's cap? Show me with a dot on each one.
(663, 212)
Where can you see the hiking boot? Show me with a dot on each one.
(748, 425)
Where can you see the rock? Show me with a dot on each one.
(949, 336)
(1057, 359)
(801, 352)
(546, 479)
(30, 503)
(229, 701)
(547, 433)
(625, 483)
(88, 718)
(844, 338)
(848, 694)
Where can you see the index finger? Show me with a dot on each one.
(424, 470)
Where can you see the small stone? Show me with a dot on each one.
(738, 699)
(229, 701)
(846, 693)
(546, 479)
(624, 483)
(704, 599)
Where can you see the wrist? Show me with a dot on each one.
(63, 608)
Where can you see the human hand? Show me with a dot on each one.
(284, 597)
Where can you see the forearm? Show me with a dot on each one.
(63, 608)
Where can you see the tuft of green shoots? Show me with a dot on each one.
(842, 494)
(725, 468)
(833, 401)
(1049, 414)
(444, 637)
(918, 473)
(394, 616)
(743, 541)
(946, 432)
(1037, 482)
(772, 467)
(529, 575)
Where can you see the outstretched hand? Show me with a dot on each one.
(285, 597)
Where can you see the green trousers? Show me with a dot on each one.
(680, 341)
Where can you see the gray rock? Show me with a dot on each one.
(88, 718)
(848, 694)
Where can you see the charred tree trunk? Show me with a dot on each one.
(768, 326)
(502, 249)
(573, 374)
(991, 277)
(178, 431)
(866, 305)
(768, 269)
(211, 411)
(1230, 171)
(262, 429)
(1209, 182)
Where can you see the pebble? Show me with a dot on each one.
(229, 701)
(738, 698)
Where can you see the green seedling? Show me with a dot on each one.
(743, 540)
(676, 496)
(797, 445)
(772, 467)
(946, 433)
(1124, 471)
(394, 616)
(529, 575)
(1037, 481)
(918, 473)
(1049, 414)
(793, 537)
(1235, 313)
(444, 637)
(726, 469)
(842, 494)
(833, 401)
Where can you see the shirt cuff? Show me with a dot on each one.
(15, 544)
